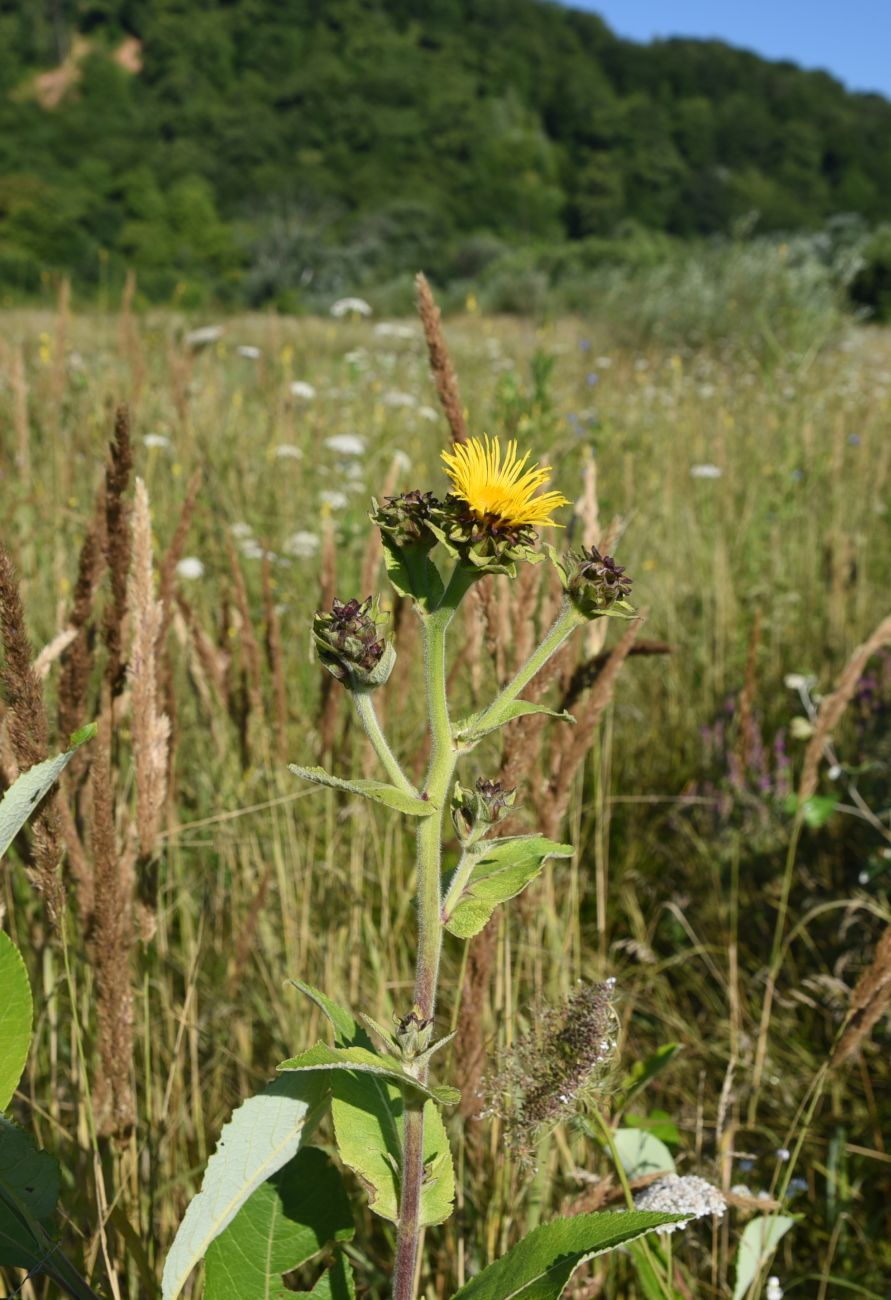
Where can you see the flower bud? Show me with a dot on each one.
(413, 1034)
(352, 643)
(476, 811)
(406, 519)
(595, 583)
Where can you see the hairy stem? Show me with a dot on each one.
(408, 1230)
(463, 871)
(429, 865)
(371, 723)
(567, 621)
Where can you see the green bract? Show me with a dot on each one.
(480, 545)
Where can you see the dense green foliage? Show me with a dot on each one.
(270, 152)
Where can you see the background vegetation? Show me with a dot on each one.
(752, 481)
(254, 152)
(652, 256)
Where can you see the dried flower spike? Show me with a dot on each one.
(550, 1071)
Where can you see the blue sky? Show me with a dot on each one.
(849, 38)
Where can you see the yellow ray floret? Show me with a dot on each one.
(502, 492)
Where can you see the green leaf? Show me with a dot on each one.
(759, 1240)
(336, 1284)
(16, 1014)
(539, 1266)
(658, 1122)
(363, 1061)
(471, 729)
(816, 810)
(643, 1071)
(262, 1136)
(376, 791)
(412, 573)
(288, 1220)
(347, 1031)
(25, 794)
(652, 1285)
(506, 869)
(368, 1126)
(29, 1189)
(641, 1153)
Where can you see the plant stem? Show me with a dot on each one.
(370, 721)
(567, 621)
(469, 859)
(437, 784)
(776, 961)
(409, 1226)
(609, 1139)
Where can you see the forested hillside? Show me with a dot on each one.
(257, 147)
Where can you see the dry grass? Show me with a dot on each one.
(258, 880)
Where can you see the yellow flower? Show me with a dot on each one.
(501, 493)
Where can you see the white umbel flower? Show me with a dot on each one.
(350, 307)
(705, 471)
(203, 337)
(395, 330)
(156, 440)
(681, 1194)
(333, 499)
(190, 567)
(301, 545)
(300, 388)
(346, 444)
(774, 1290)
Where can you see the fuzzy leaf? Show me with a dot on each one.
(363, 1061)
(347, 1032)
(16, 1014)
(759, 1240)
(368, 1126)
(471, 729)
(25, 794)
(412, 573)
(288, 1220)
(262, 1136)
(539, 1266)
(506, 869)
(336, 1284)
(641, 1153)
(29, 1189)
(376, 791)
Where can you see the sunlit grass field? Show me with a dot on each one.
(751, 503)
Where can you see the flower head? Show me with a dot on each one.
(476, 811)
(501, 494)
(681, 1194)
(594, 583)
(406, 518)
(352, 644)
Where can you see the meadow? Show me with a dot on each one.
(746, 489)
